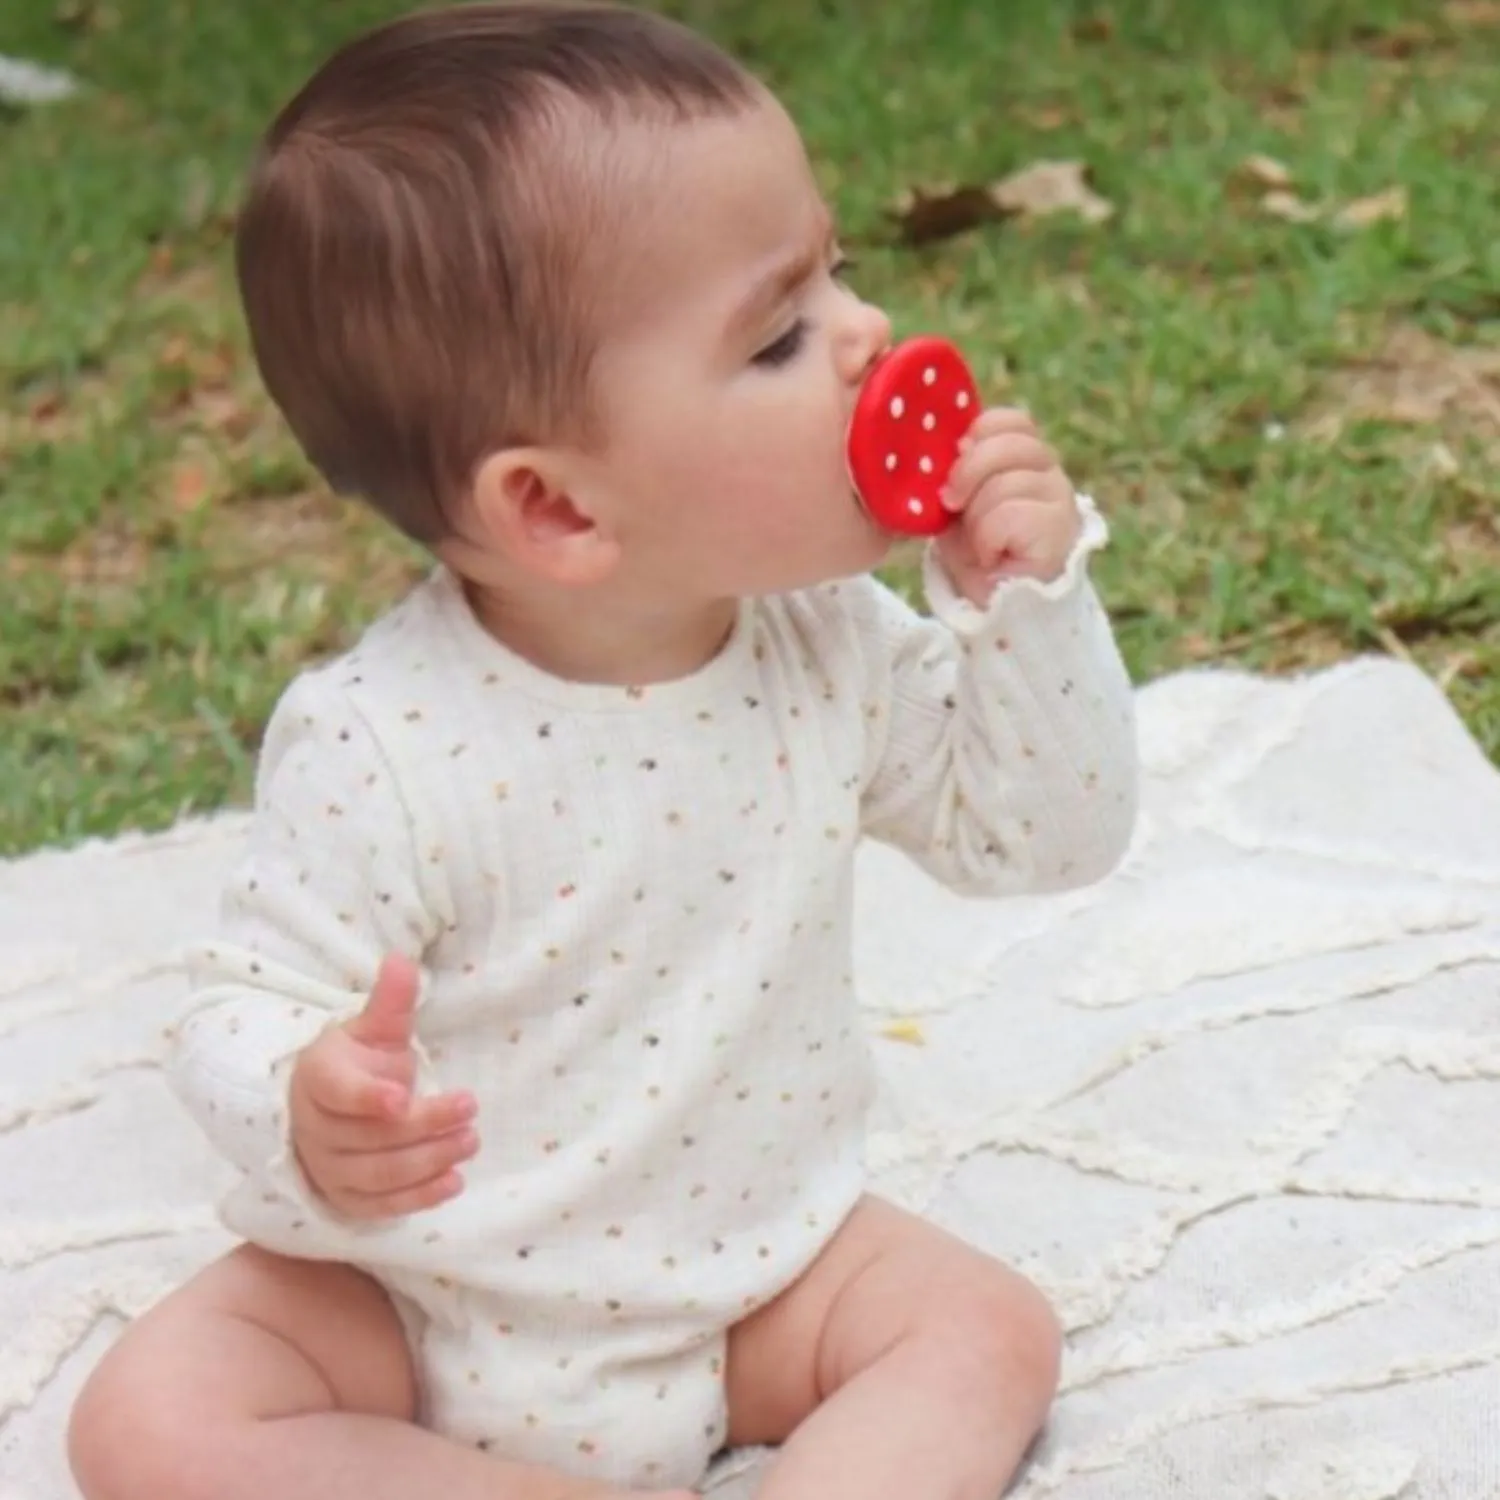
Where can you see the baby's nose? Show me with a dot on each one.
(869, 336)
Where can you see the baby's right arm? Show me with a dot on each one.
(290, 1033)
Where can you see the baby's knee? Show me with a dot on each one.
(112, 1450)
(1000, 1342)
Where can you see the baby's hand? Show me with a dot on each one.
(1017, 513)
(368, 1147)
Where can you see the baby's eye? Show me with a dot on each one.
(842, 268)
(783, 350)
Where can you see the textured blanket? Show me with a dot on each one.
(1237, 1108)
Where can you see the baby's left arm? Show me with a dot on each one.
(1004, 756)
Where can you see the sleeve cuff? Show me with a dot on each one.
(967, 619)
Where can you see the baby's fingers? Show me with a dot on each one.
(339, 1083)
(369, 1207)
(425, 1119)
(389, 1173)
(989, 457)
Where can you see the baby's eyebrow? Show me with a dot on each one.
(780, 279)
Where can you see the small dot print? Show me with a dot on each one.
(544, 731)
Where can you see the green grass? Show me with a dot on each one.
(1295, 428)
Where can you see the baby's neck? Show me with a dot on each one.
(582, 638)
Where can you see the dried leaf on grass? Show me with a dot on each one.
(1417, 380)
(1099, 27)
(1051, 187)
(1259, 170)
(1037, 191)
(1362, 212)
(1403, 40)
(1282, 204)
(1279, 199)
(1475, 13)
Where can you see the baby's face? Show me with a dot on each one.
(728, 382)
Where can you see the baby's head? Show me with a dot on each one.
(552, 287)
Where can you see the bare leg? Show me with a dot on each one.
(904, 1365)
(271, 1377)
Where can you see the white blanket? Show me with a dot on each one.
(1237, 1109)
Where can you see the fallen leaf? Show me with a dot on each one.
(924, 216)
(1284, 205)
(1398, 42)
(1472, 12)
(1044, 117)
(1050, 187)
(1416, 380)
(1264, 172)
(1044, 188)
(1099, 27)
(1362, 212)
(904, 1031)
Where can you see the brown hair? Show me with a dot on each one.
(418, 224)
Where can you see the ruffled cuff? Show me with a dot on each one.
(1017, 599)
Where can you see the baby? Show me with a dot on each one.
(531, 1028)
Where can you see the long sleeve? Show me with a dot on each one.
(1004, 757)
(330, 883)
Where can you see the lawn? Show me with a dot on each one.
(1276, 361)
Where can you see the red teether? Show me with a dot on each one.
(916, 404)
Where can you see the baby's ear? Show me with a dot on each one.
(527, 504)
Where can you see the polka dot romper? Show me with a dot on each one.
(632, 907)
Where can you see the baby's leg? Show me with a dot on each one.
(904, 1364)
(272, 1377)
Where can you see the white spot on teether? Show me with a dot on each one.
(925, 465)
(914, 506)
(890, 463)
(929, 422)
(963, 400)
(929, 376)
(898, 406)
